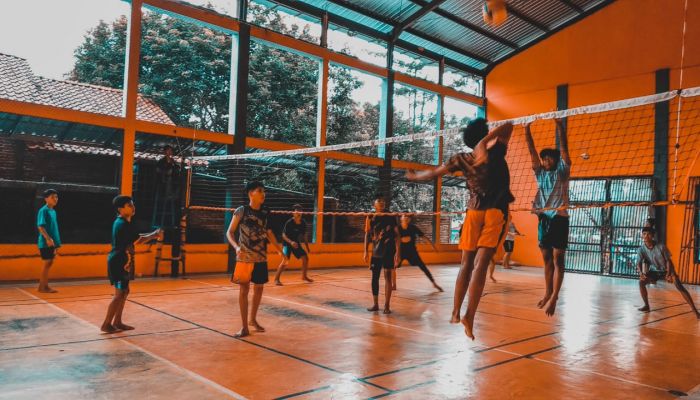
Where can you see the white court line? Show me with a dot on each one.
(566, 367)
(186, 371)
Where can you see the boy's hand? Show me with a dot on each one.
(642, 276)
(50, 243)
(669, 277)
(410, 174)
(295, 245)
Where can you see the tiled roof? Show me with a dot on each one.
(18, 82)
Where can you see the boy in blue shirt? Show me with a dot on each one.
(124, 237)
(49, 239)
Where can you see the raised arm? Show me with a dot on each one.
(563, 142)
(531, 147)
(426, 175)
(367, 241)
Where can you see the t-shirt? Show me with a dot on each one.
(411, 233)
(489, 183)
(295, 232)
(382, 231)
(654, 258)
(46, 218)
(123, 236)
(510, 235)
(552, 189)
(252, 234)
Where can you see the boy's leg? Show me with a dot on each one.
(419, 262)
(686, 296)
(492, 269)
(645, 296)
(547, 257)
(388, 287)
(44, 278)
(243, 307)
(558, 259)
(393, 279)
(257, 298)
(462, 284)
(280, 269)
(506, 260)
(305, 268)
(481, 264)
(120, 309)
(107, 326)
(376, 272)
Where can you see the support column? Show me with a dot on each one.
(321, 133)
(240, 60)
(562, 104)
(386, 127)
(438, 155)
(131, 82)
(661, 126)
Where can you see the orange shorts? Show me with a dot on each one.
(482, 228)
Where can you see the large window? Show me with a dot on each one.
(226, 7)
(457, 114)
(454, 199)
(348, 187)
(356, 45)
(463, 81)
(282, 95)
(414, 197)
(284, 20)
(415, 111)
(353, 108)
(49, 50)
(416, 66)
(186, 70)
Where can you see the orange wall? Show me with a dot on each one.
(201, 258)
(610, 55)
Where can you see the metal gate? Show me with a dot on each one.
(604, 240)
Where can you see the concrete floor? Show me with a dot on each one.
(322, 344)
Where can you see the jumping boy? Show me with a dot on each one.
(488, 181)
(552, 170)
(383, 233)
(654, 264)
(49, 239)
(293, 235)
(124, 237)
(251, 253)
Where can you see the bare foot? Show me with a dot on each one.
(124, 327)
(454, 319)
(468, 327)
(47, 290)
(544, 301)
(386, 311)
(373, 308)
(278, 283)
(108, 328)
(307, 279)
(644, 309)
(393, 287)
(242, 333)
(439, 289)
(493, 279)
(256, 326)
(551, 308)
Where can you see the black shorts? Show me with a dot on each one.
(385, 262)
(654, 275)
(411, 256)
(508, 246)
(289, 250)
(47, 253)
(116, 270)
(260, 274)
(553, 232)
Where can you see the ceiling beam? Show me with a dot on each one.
(424, 10)
(518, 14)
(572, 6)
(448, 46)
(472, 27)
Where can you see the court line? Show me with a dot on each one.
(297, 394)
(406, 389)
(95, 340)
(186, 371)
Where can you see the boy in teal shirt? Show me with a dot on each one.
(49, 239)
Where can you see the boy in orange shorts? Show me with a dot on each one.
(488, 182)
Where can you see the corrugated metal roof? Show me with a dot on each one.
(456, 30)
